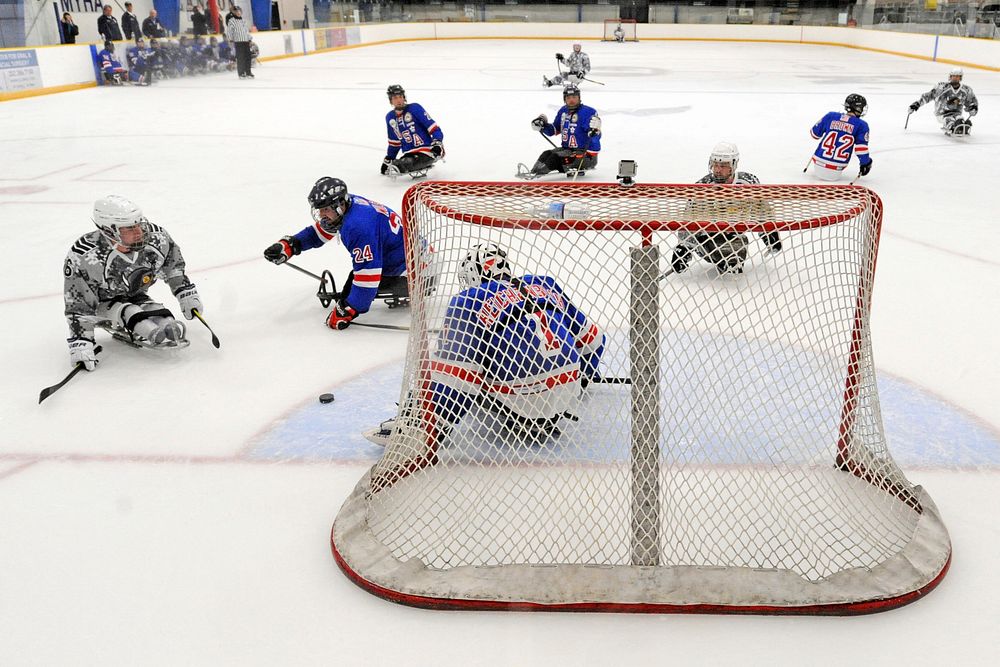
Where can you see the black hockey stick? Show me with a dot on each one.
(807, 164)
(390, 327)
(546, 137)
(612, 380)
(583, 78)
(215, 339)
(48, 391)
(325, 296)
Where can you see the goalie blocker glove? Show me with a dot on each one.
(283, 250)
(187, 297)
(341, 316)
(81, 351)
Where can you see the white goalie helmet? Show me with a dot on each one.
(725, 153)
(484, 262)
(114, 214)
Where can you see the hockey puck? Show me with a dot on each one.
(326, 398)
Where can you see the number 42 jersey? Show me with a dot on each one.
(840, 135)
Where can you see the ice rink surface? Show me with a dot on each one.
(176, 508)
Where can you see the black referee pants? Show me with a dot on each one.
(242, 58)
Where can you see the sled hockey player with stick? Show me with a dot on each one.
(577, 66)
(727, 251)
(412, 132)
(950, 98)
(372, 234)
(107, 274)
(579, 128)
(515, 345)
(841, 135)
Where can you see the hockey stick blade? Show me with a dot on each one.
(907, 123)
(215, 339)
(371, 325)
(612, 380)
(48, 391)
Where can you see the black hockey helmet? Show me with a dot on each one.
(571, 89)
(856, 104)
(329, 192)
(395, 89)
(109, 45)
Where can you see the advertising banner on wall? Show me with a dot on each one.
(19, 71)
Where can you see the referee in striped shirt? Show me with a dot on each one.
(238, 33)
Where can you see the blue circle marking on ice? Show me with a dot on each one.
(922, 430)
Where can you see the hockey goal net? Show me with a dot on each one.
(628, 30)
(731, 456)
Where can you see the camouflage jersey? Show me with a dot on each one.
(950, 101)
(578, 62)
(96, 273)
(715, 246)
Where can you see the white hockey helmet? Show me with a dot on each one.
(114, 213)
(956, 71)
(725, 152)
(577, 48)
(484, 262)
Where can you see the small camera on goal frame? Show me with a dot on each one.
(626, 172)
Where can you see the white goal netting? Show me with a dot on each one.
(613, 424)
(620, 30)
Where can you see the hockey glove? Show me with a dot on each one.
(282, 251)
(595, 126)
(187, 297)
(437, 149)
(559, 57)
(386, 161)
(538, 124)
(914, 106)
(341, 316)
(865, 168)
(973, 111)
(81, 351)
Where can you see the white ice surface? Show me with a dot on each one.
(138, 527)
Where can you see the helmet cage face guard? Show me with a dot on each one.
(113, 232)
(724, 153)
(485, 262)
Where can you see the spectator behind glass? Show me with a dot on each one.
(151, 27)
(199, 22)
(130, 23)
(107, 26)
(69, 29)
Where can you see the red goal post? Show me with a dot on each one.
(628, 26)
(730, 456)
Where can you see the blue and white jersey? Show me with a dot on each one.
(373, 234)
(109, 64)
(840, 135)
(523, 343)
(572, 126)
(411, 130)
(136, 57)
